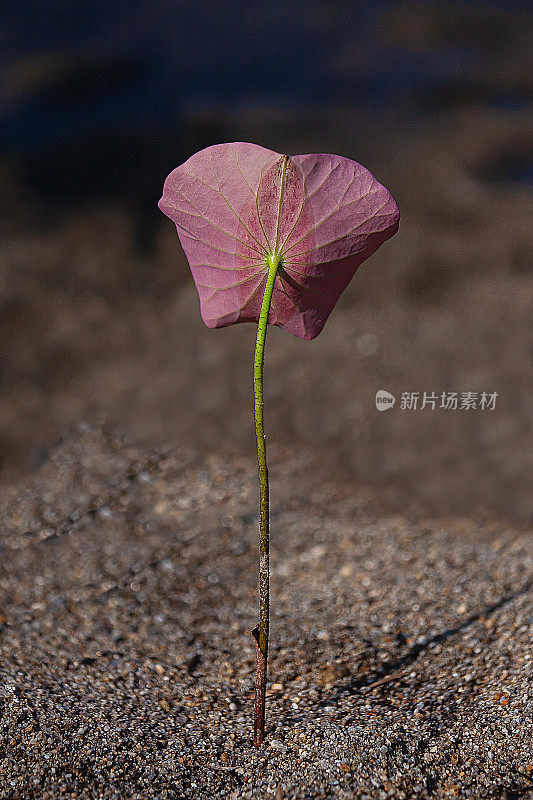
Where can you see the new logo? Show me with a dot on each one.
(384, 400)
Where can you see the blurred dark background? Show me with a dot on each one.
(98, 319)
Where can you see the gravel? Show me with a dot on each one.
(401, 660)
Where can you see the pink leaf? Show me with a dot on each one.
(234, 204)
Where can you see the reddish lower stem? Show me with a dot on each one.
(260, 692)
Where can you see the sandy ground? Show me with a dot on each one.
(400, 650)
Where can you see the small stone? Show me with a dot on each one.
(346, 571)
(193, 663)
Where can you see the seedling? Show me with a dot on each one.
(275, 240)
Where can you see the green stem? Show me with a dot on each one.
(261, 632)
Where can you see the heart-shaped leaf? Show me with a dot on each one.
(236, 204)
